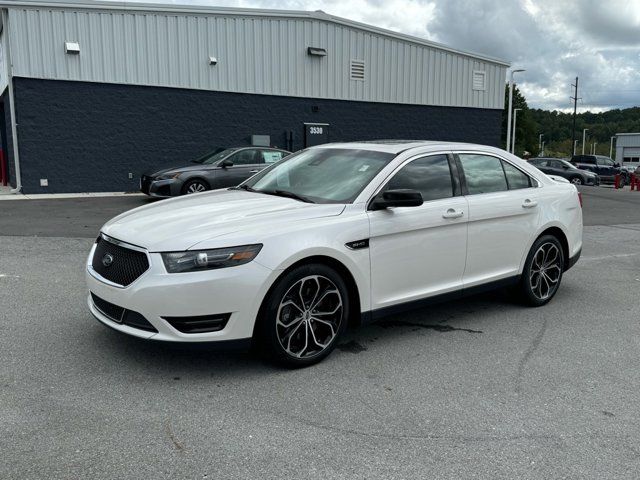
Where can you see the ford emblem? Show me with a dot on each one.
(107, 259)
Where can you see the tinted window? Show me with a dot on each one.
(483, 173)
(429, 175)
(516, 178)
(605, 161)
(588, 160)
(555, 163)
(271, 156)
(245, 157)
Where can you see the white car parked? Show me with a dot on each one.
(333, 234)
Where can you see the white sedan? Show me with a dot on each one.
(334, 234)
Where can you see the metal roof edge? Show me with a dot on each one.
(206, 10)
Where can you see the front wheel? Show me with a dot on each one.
(304, 315)
(195, 186)
(577, 181)
(542, 271)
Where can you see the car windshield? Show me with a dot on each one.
(214, 156)
(321, 175)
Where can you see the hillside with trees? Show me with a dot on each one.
(556, 127)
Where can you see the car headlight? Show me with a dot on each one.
(193, 261)
(168, 176)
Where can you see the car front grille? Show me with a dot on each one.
(118, 264)
(122, 315)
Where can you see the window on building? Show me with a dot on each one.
(479, 80)
(430, 176)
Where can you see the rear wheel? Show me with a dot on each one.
(304, 315)
(542, 271)
(195, 186)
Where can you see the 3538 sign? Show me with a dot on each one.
(316, 134)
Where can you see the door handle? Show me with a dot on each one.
(529, 203)
(254, 171)
(453, 213)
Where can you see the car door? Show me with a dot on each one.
(244, 161)
(503, 213)
(417, 252)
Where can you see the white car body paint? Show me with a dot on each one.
(414, 253)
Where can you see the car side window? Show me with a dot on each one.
(431, 176)
(245, 157)
(516, 179)
(271, 156)
(484, 173)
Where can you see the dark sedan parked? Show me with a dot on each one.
(218, 169)
(562, 168)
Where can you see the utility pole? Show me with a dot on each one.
(510, 106)
(575, 107)
(540, 143)
(595, 144)
(513, 136)
(584, 138)
(611, 148)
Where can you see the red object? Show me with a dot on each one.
(634, 182)
(616, 182)
(580, 198)
(3, 169)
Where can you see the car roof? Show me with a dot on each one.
(398, 146)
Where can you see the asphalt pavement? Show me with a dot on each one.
(480, 388)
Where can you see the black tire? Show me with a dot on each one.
(531, 292)
(196, 185)
(577, 180)
(272, 334)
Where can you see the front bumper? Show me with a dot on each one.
(160, 188)
(595, 181)
(156, 295)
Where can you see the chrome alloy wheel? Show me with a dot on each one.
(545, 271)
(576, 181)
(196, 187)
(309, 316)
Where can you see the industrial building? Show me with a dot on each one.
(628, 149)
(95, 93)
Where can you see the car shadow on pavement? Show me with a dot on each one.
(199, 359)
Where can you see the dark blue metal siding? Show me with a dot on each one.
(87, 137)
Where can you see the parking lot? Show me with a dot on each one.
(480, 388)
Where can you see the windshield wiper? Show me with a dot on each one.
(288, 194)
(243, 187)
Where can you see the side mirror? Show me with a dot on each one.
(566, 167)
(226, 163)
(617, 165)
(397, 198)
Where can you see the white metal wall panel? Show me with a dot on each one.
(3, 65)
(265, 55)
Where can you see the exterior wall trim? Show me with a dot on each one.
(317, 15)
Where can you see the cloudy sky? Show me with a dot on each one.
(554, 40)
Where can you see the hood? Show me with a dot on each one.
(180, 223)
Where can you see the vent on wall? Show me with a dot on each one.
(479, 80)
(357, 70)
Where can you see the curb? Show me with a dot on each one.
(60, 196)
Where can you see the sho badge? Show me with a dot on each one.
(107, 259)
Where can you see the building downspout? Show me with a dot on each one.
(12, 110)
